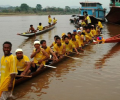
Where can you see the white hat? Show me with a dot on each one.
(79, 31)
(18, 50)
(36, 42)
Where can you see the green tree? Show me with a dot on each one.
(38, 7)
(24, 7)
(67, 8)
(17, 9)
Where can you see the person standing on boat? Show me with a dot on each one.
(23, 63)
(8, 71)
(40, 27)
(49, 20)
(48, 50)
(59, 48)
(31, 29)
(88, 20)
(54, 20)
(40, 56)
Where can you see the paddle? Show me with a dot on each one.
(73, 57)
(23, 76)
(79, 53)
(50, 66)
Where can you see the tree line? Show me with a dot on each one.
(25, 8)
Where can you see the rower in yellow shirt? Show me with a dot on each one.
(54, 41)
(23, 63)
(8, 71)
(69, 35)
(100, 25)
(48, 50)
(75, 41)
(54, 20)
(40, 27)
(80, 37)
(59, 48)
(49, 20)
(69, 46)
(40, 57)
(62, 39)
(83, 23)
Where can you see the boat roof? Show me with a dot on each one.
(90, 2)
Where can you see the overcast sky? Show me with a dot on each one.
(56, 3)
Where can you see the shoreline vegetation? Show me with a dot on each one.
(25, 9)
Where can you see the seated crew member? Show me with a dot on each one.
(23, 63)
(48, 50)
(69, 35)
(31, 29)
(80, 37)
(69, 46)
(40, 27)
(40, 56)
(54, 41)
(62, 39)
(59, 48)
(54, 20)
(83, 23)
(74, 32)
(49, 20)
(100, 25)
(93, 31)
(75, 41)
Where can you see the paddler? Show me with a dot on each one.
(40, 27)
(54, 41)
(40, 56)
(63, 39)
(54, 20)
(49, 20)
(59, 48)
(48, 50)
(69, 35)
(75, 32)
(88, 20)
(31, 29)
(23, 63)
(8, 71)
(69, 46)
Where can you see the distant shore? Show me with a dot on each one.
(33, 14)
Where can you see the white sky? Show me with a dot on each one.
(56, 3)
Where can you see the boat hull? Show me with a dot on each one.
(114, 15)
(37, 33)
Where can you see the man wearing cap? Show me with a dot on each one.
(74, 32)
(40, 56)
(23, 63)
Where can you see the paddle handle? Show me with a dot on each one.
(23, 76)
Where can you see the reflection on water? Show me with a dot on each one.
(94, 77)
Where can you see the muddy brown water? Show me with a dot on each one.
(96, 76)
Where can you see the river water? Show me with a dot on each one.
(96, 76)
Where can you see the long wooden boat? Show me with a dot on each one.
(21, 80)
(113, 39)
(45, 29)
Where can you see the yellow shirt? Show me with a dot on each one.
(83, 23)
(69, 47)
(76, 43)
(40, 28)
(21, 63)
(89, 35)
(62, 41)
(79, 39)
(88, 19)
(8, 66)
(39, 56)
(58, 49)
(47, 50)
(54, 21)
(49, 20)
(100, 24)
(93, 32)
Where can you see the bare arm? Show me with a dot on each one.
(51, 45)
(28, 66)
(64, 49)
(10, 87)
(53, 53)
(33, 54)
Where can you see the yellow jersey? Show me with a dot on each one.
(88, 19)
(69, 47)
(40, 28)
(21, 63)
(78, 37)
(47, 50)
(8, 66)
(83, 23)
(39, 56)
(54, 21)
(93, 32)
(76, 43)
(89, 35)
(62, 41)
(59, 49)
(49, 20)
(100, 24)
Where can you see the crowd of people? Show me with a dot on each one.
(20, 64)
